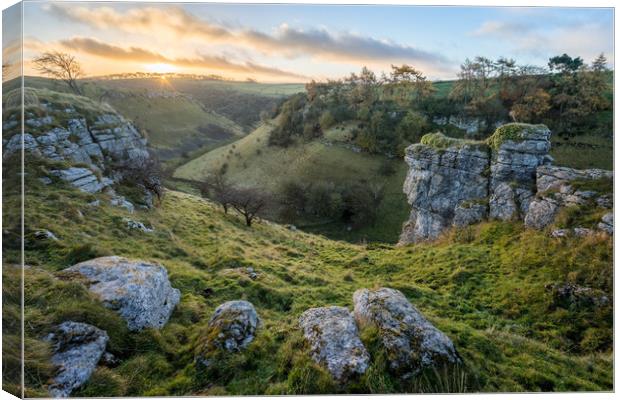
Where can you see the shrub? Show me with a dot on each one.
(327, 120)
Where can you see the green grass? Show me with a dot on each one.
(175, 123)
(484, 286)
(584, 151)
(251, 162)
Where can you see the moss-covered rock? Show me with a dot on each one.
(516, 132)
(232, 327)
(439, 141)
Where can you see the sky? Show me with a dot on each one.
(297, 43)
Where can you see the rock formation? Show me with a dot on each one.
(334, 341)
(89, 134)
(139, 291)
(77, 350)
(439, 180)
(456, 182)
(411, 342)
(555, 189)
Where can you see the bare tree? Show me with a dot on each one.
(248, 202)
(217, 188)
(61, 66)
(141, 171)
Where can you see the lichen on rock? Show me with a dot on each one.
(334, 341)
(139, 291)
(77, 349)
(411, 342)
(455, 182)
(232, 328)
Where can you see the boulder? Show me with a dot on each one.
(555, 190)
(560, 233)
(569, 295)
(334, 341)
(77, 349)
(137, 225)
(552, 178)
(44, 234)
(232, 327)
(139, 291)
(120, 201)
(411, 342)
(541, 213)
(582, 232)
(607, 223)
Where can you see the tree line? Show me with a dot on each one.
(394, 110)
(354, 203)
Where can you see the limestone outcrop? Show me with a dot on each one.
(77, 349)
(457, 182)
(443, 174)
(560, 187)
(334, 341)
(411, 342)
(139, 291)
(87, 135)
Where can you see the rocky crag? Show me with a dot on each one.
(83, 137)
(457, 182)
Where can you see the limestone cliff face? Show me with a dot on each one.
(517, 150)
(85, 134)
(439, 183)
(453, 182)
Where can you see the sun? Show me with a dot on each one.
(161, 68)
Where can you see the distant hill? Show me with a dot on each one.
(182, 117)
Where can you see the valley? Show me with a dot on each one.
(521, 293)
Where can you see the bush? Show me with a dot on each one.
(327, 120)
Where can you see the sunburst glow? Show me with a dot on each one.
(161, 68)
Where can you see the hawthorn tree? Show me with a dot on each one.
(217, 188)
(61, 66)
(248, 202)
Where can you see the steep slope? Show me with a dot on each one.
(252, 162)
(175, 124)
(488, 287)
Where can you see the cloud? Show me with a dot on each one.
(137, 54)
(286, 41)
(583, 38)
(499, 28)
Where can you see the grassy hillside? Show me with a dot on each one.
(485, 287)
(241, 102)
(176, 126)
(583, 151)
(251, 162)
(182, 118)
